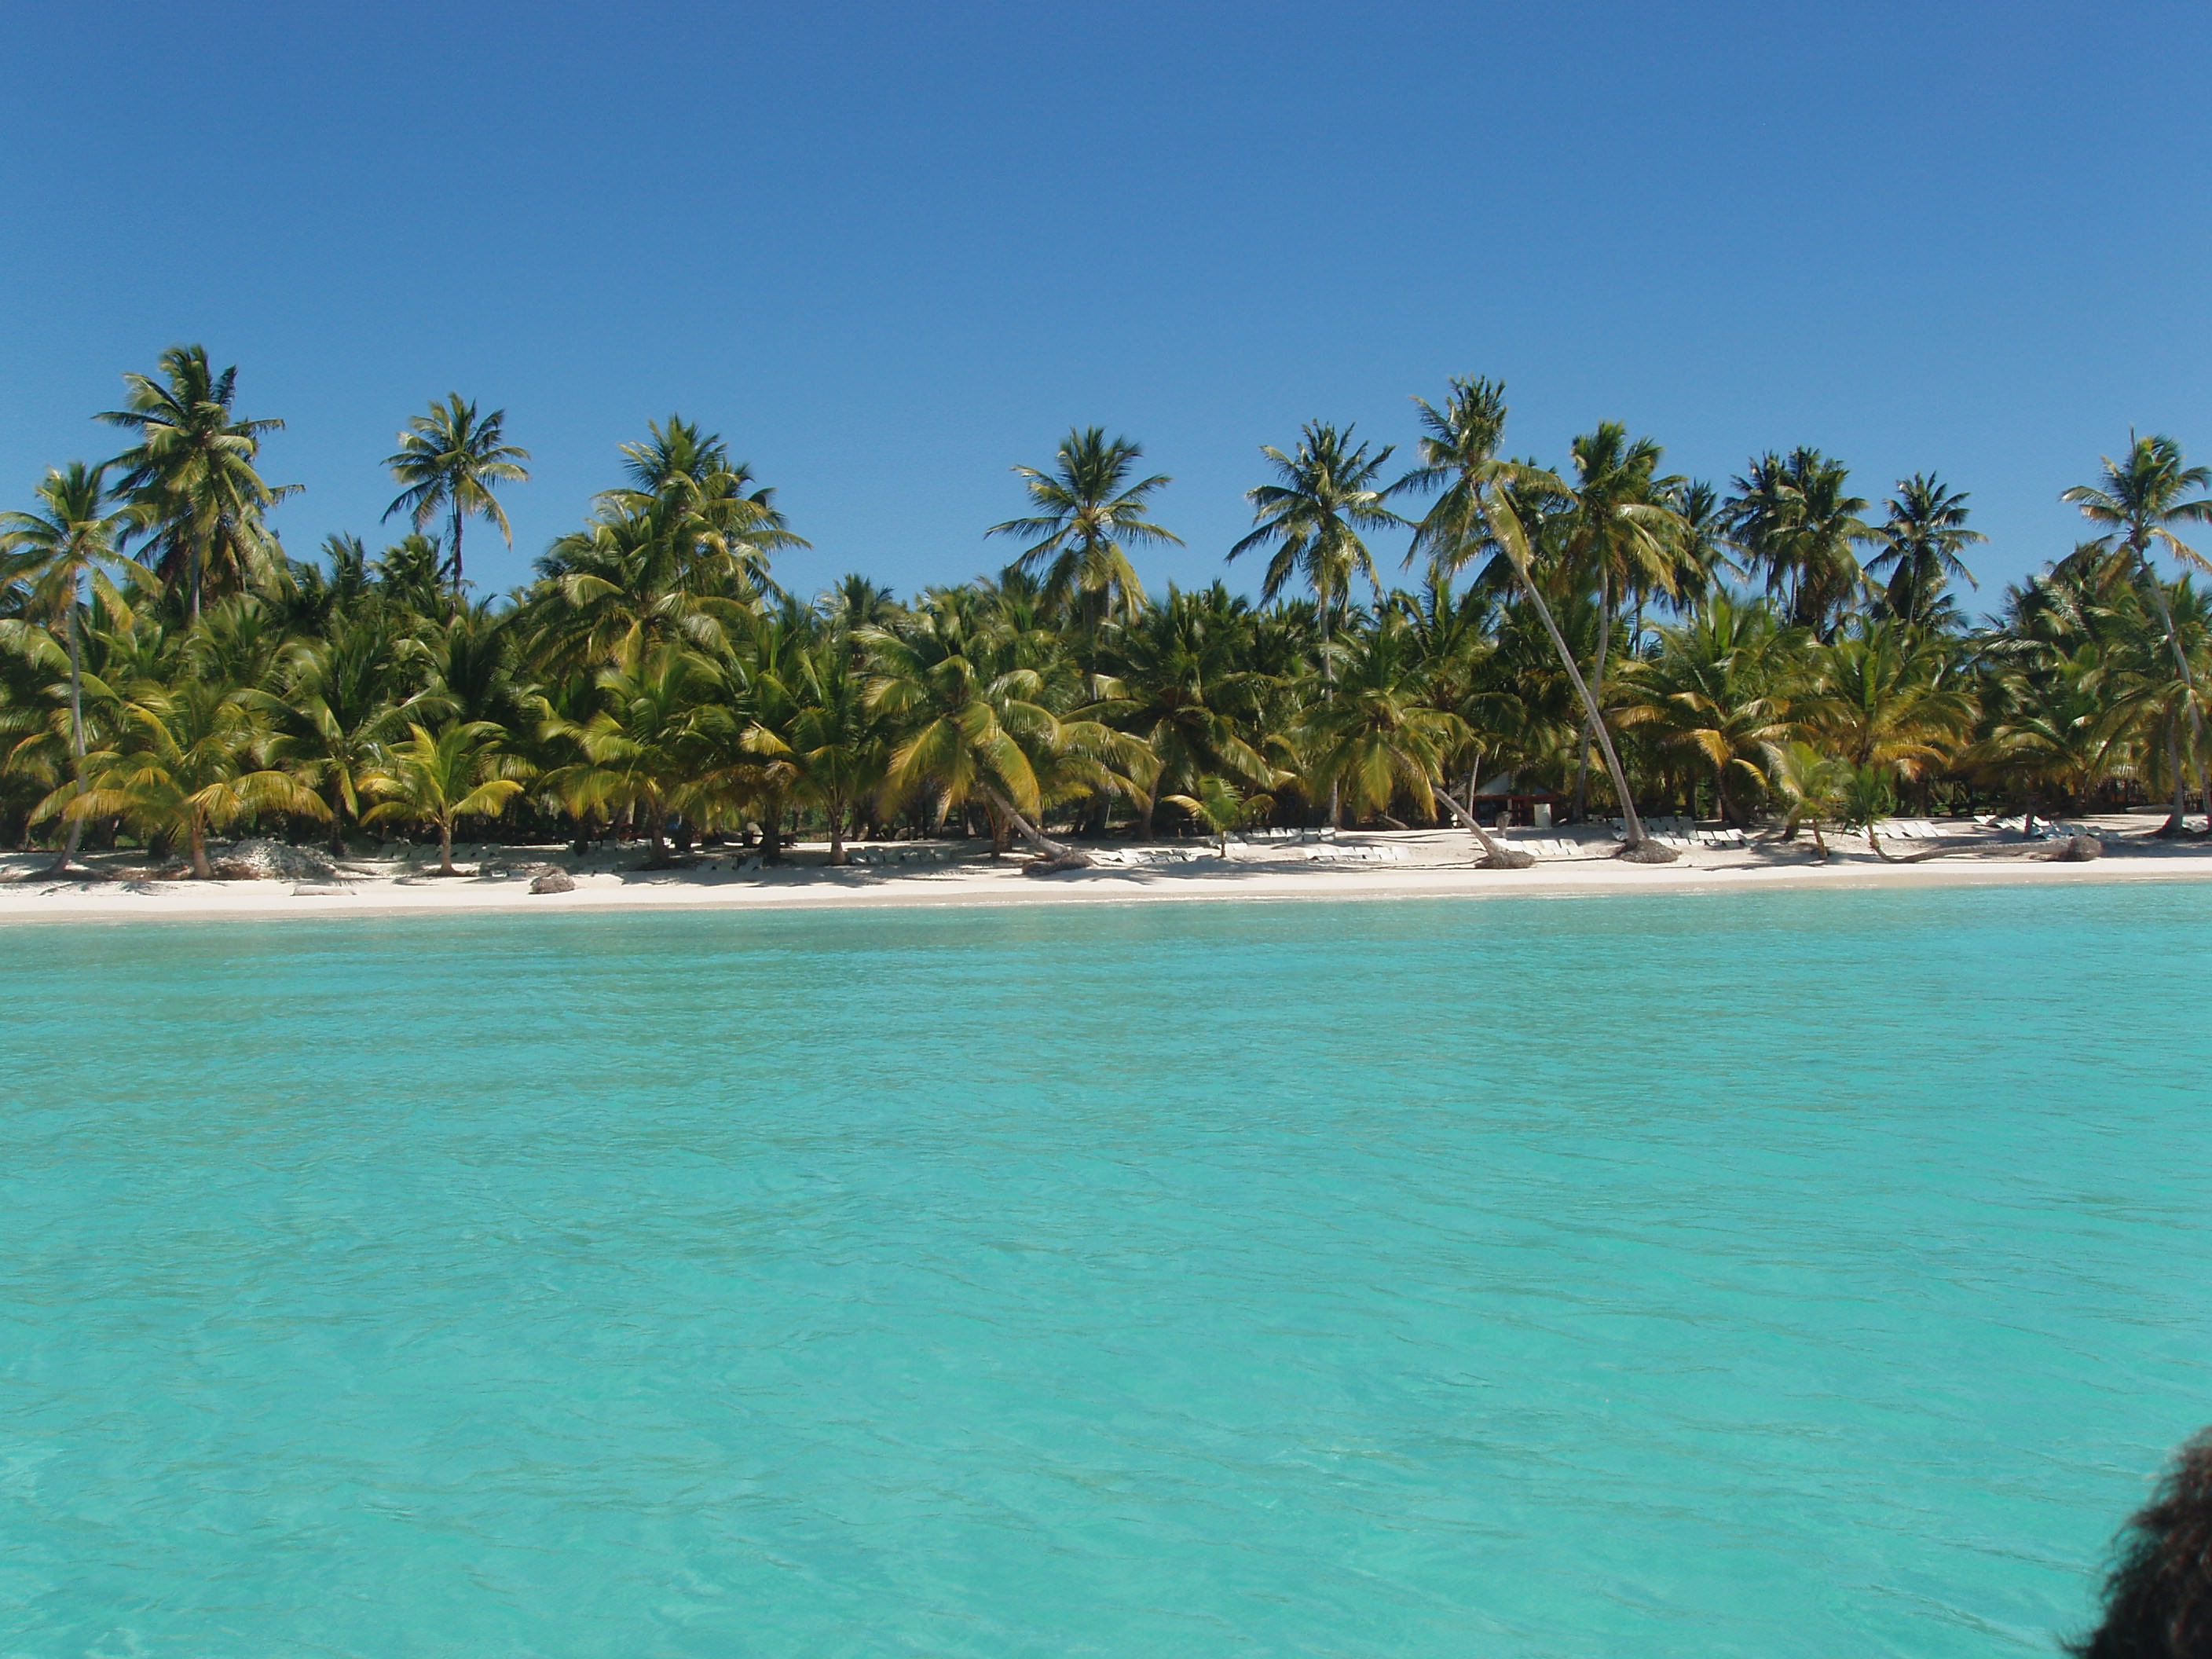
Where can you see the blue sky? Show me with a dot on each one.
(890, 251)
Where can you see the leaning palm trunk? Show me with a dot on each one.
(1057, 855)
(1496, 854)
(1639, 847)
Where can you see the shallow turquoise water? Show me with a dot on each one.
(1786, 1275)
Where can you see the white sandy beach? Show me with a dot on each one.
(1432, 864)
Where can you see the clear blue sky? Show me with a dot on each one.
(890, 250)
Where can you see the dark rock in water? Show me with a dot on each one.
(2078, 849)
(553, 879)
(272, 860)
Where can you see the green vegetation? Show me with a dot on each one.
(1608, 634)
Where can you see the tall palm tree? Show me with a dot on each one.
(1329, 491)
(2136, 503)
(1921, 543)
(1794, 519)
(1615, 523)
(189, 480)
(1473, 516)
(450, 460)
(53, 550)
(1087, 507)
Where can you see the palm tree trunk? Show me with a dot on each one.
(1054, 852)
(1597, 689)
(200, 870)
(1640, 846)
(76, 746)
(446, 847)
(457, 558)
(2178, 824)
(2177, 819)
(1496, 854)
(771, 831)
(1329, 695)
(338, 818)
(837, 834)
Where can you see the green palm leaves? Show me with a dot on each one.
(1089, 507)
(1922, 544)
(439, 777)
(186, 763)
(450, 460)
(190, 481)
(1326, 494)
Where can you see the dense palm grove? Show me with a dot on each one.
(1604, 632)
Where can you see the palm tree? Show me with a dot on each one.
(2138, 503)
(640, 747)
(1813, 787)
(183, 765)
(450, 459)
(1885, 695)
(1380, 738)
(1921, 543)
(332, 713)
(1717, 692)
(1328, 495)
(1474, 515)
(437, 777)
(190, 479)
(1087, 507)
(1221, 807)
(1614, 520)
(1793, 518)
(835, 744)
(975, 723)
(1180, 685)
(52, 550)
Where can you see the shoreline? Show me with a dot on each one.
(973, 882)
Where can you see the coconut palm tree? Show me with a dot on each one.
(1087, 507)
(1380, 739)
(1181, 685)
(1921, 543)
(334, 707)
(640, 749)
(2136, 503)
(1614, 522)
(184, 762)
(1221, 807)
(1718, 692)
(1329, 491)
(53, 551)
(1474, 516)
(975, 722)
(450, 460)
(190, 481)
(440, 777)
(1815, 787)
(1794, 520)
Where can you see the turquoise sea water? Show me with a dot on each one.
(1816, 1275)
